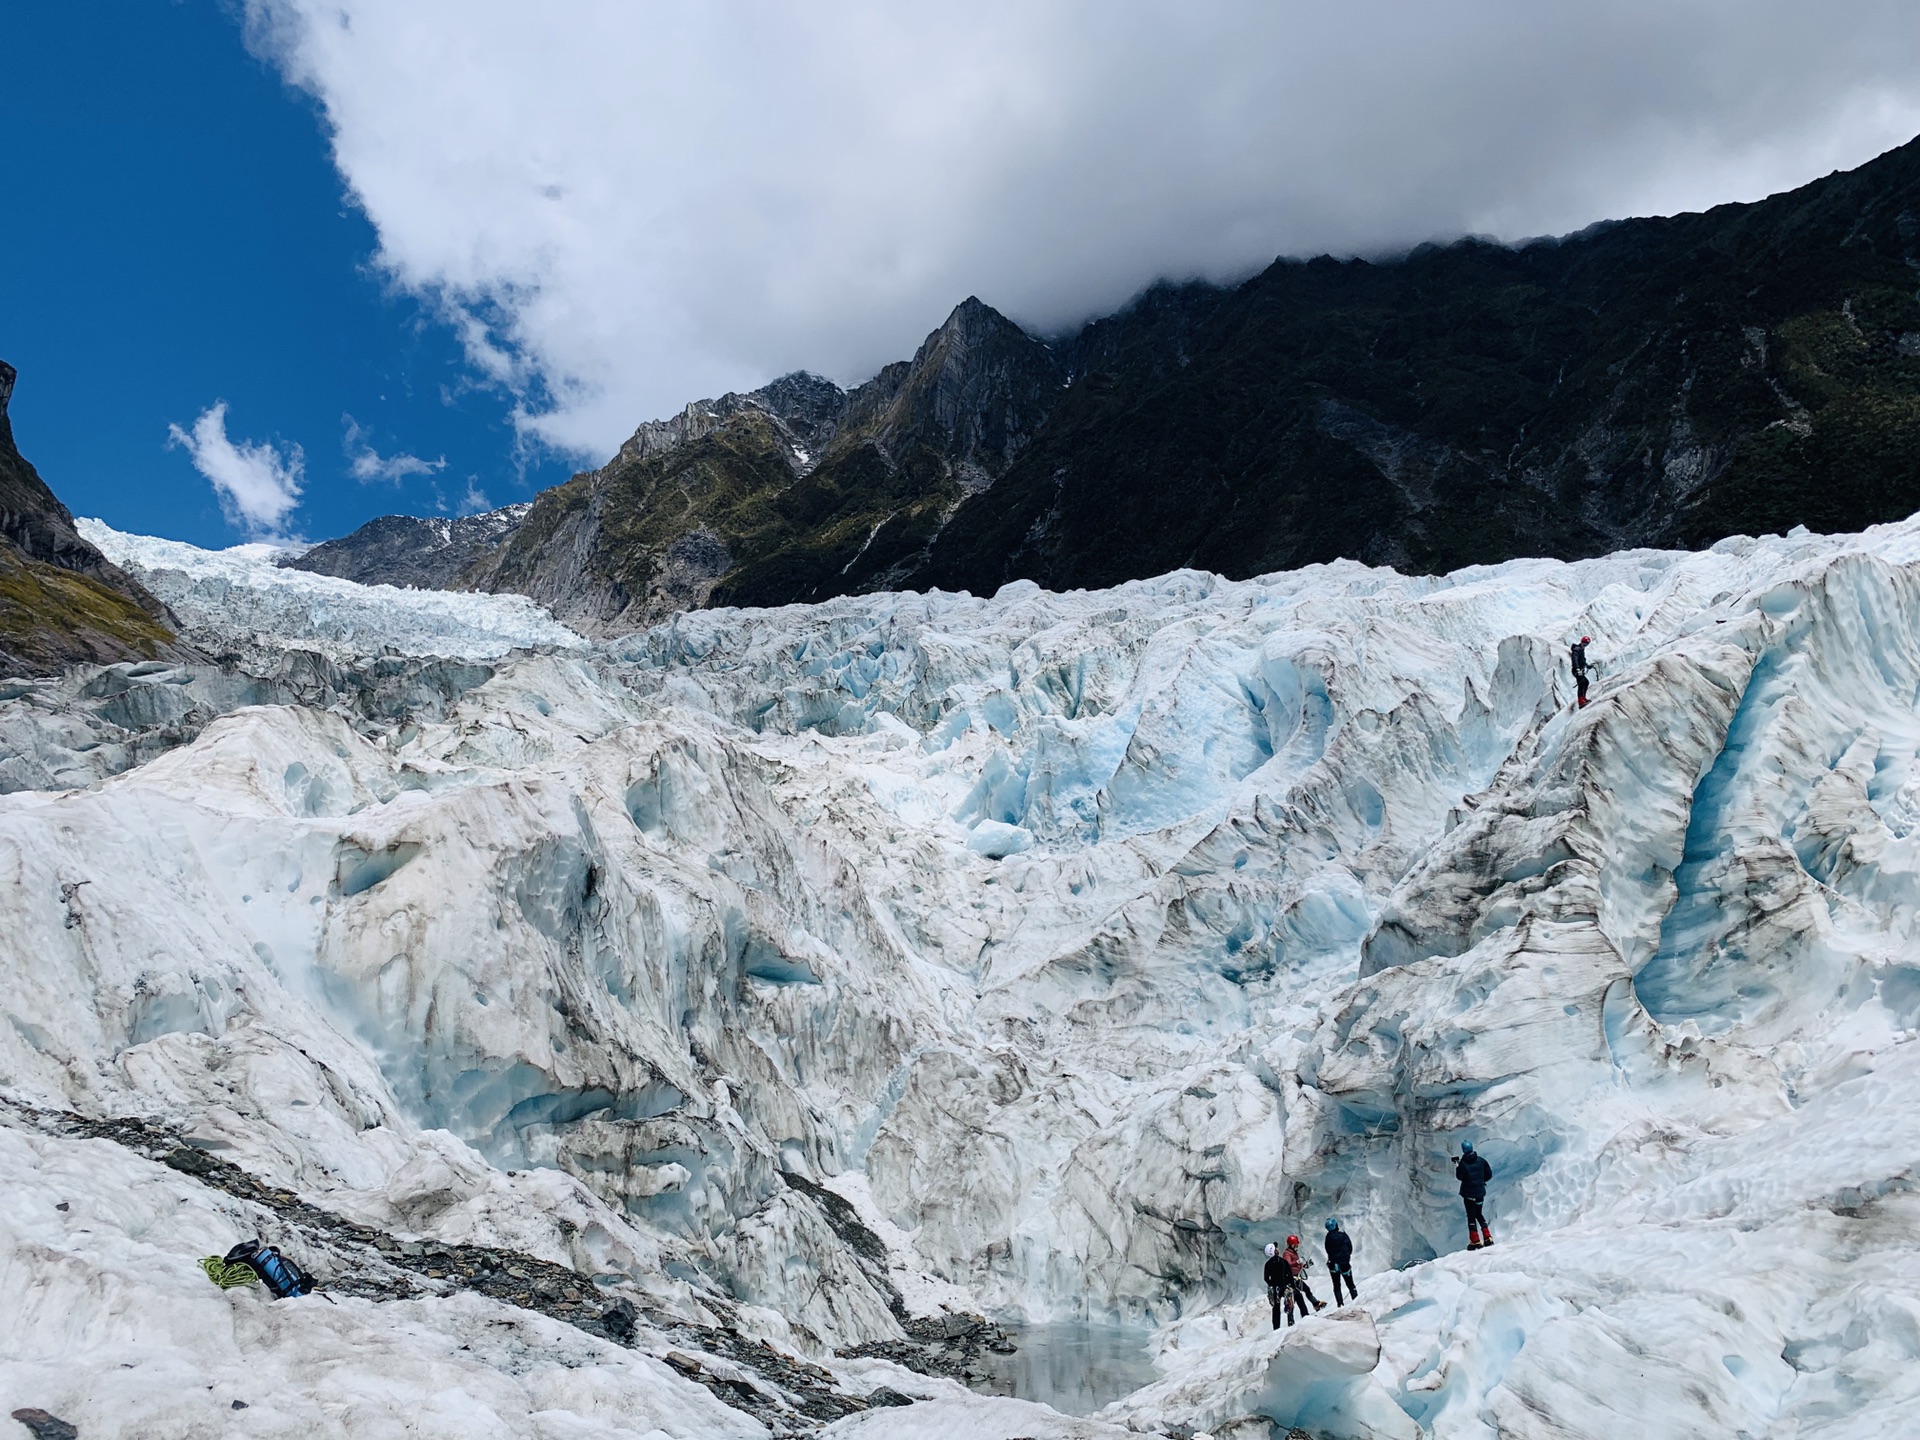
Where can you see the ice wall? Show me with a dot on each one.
(1079, 944)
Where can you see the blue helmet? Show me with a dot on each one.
(1332, 1224)
(1467, 1146)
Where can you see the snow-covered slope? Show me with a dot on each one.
(820, 973)
(242, 595)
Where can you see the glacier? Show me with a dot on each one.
(829, 982)
(242, 596)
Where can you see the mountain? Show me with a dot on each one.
(1663, 381)
(61, 601)
(795, 490)
(424, 554)
(1651, 382)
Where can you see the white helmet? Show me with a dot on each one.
(1272, 1250)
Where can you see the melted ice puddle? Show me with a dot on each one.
(1074, 1367)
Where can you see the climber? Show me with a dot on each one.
(1298, 1295)
(1279, 1277)
(1580, 668)
(1340, 1260)
(1473, 1172)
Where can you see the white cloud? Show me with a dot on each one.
(621, 205)
(258, 485)
(366, 464)
(475, 501)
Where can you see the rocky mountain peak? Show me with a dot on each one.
(60, 600)
(808, 405)
(426, 554)
(803, 399)
(7, 376)
(974, 393)
(31, 515)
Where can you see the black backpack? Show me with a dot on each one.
(276, 1271)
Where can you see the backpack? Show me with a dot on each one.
(279, 1274)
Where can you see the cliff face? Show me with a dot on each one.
(61, 601)
(1649, 382)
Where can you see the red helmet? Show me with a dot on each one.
(1586, 639)
(1293, 1240)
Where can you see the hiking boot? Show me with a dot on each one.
(1473, 1244)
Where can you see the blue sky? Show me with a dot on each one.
(177, 235)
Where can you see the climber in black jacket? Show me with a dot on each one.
(1279, 1277)
(1579, 652)
(1340, 1260)
(1473, 1172)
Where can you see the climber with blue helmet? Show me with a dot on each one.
(1473, 1172)
(1340, 1260)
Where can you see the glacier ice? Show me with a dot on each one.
(835, 971)
(241, 594)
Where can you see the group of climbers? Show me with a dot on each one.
(1286, 1274)
(1286, 1270)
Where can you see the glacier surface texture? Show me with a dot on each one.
(806, 981)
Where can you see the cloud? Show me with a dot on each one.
(475, 501)
(366, 464)
(622, 205)
(258, 485)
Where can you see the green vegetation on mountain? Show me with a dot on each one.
(61, 602)
(50, 618)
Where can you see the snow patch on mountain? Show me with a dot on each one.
(828, 973)
(243, 594)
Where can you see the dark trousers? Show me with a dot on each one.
(1274, 1298)
(1476, 1217)
(1343, 1272)
(1581, 681)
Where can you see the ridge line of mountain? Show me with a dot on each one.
(1660, 381)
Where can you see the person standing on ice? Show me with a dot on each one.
(1473, 1172)
(1340, 1260)
(1299, 1295)
(1279, 1277)
(1579, 650)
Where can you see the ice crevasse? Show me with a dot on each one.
(812, 973)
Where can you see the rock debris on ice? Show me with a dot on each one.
(831, 974)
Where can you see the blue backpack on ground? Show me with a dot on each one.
(276, 1272)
